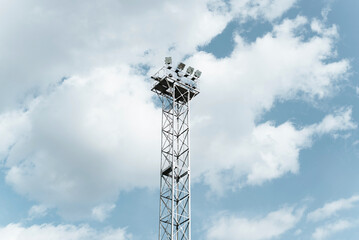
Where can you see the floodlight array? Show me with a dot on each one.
(180, 67)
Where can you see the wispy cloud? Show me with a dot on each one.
(330, 229)
(329, 209)
(101, 212)
(273, 225)
(37, 211)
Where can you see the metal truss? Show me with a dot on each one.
(175, 206)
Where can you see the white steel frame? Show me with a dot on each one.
(175, 93)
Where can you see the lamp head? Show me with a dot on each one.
(190, 70)
(168, 60)
(197, 73)
(181, 66)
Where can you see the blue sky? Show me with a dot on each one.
(275, 147)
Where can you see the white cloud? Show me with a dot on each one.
(318, 26)
(37, 211)
(65, 39)
(86, 142)
(266, 153)
(357, 90)
(101, 212)
(331, 208)
(271, 226)
(13, 124)
(332, 228)
(44, 41)
(237, 90)
(298, 232)
(266, 9)
(325, 11)
(342, 120)
(279, 146)
(275, 150)
(60, 232)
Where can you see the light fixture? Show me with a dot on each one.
(190, 70)
(168, 60)
(181, 66)
(197, 73)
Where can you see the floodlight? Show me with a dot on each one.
(197, 73)
(168, 60)
(190, 70)
(181, 66)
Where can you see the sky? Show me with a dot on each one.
(274, 131)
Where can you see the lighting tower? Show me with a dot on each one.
(175, 89)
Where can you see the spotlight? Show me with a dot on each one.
(181, 66)
(197, 73)
(168, 60)
(190, 70)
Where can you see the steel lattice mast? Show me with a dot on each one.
(175, 90)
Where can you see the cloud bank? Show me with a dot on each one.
(280, 66)
(78, 121)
